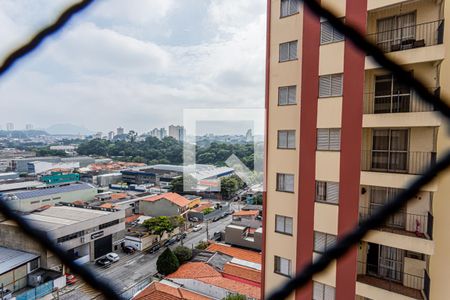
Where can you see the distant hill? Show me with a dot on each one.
(68, 129)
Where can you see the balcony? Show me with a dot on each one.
(416, 225)
(405, 162)
(409, 37)
(394, 279)
(397, 102)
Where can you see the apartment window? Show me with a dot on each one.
(108, 224)
(283, 224)
(35, 202)
(322, 291)
(288, 51)
(70, 236)
(329, 139)
(289, 7)
(285, 183)
(330, 85)
(328, 34)
(286, 139)
(397, 32)
(327, 191)
(391, 96)
(287, 95)
(282, 266)
(34, 264)
(390, 150)
(323, 241)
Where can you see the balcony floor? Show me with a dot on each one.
(390, 286)
(402, 232)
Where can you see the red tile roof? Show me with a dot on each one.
(242, 272)
(131, 218)
(238, 253)
(161, 291)
(246, 213)
(205, 273)
(172, 197)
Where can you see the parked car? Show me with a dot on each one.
(129, 250)
(70, 279)
(193, 219)
(154, 248)
(224, 215)
(170, 241)
(113, 257)
(216, 219)
(103, 262)
(197, 228)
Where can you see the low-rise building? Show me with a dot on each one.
(86, 233)
(167, 290)
(8, 176)
(27, 200)
(167, 204)
(244, 236)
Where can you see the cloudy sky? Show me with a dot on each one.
(134, 63)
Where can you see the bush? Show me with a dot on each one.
(208, 210)
(202, 245)
(167, 262)
(235, 297)
(183, 254)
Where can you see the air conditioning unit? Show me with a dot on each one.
(35, 279)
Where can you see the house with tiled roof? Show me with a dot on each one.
(167, 204)
(202, 278)
(242, 254)
(166, 290)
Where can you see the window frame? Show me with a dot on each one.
(331, 77)
(289, 8)
(284, 225)
(278, 189)
(289, 51)
(276, 271)
(326, 196)
(334, 33)
(328, 148)
(323, 287)
(288, 89)
(288, 132)
(327, 244)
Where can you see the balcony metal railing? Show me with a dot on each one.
(409, 37)
(408, 162)
(391, 279)
(421, 225)
(397, 102)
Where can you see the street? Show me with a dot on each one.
(133, 268)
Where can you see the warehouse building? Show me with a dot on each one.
(86, 233)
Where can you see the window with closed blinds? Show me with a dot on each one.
(327, 191)
(323, 241)
(328, 34)
(287, 95)
(285, 182)
(329, 139)
(330, 85)
(323, 292)
(283, 224)
(282, 266)
(289, 7)
(286, 139)
(288, 51)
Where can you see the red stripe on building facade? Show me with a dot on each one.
(309, 86)
(350, 161)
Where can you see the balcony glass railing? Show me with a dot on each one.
(419, 225)
(409, 37)
(409, 162)
(397, 102)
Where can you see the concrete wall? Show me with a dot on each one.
(236, 236)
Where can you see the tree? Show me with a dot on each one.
(178, 184)
(202, 245)
(230, 185)
(235, 297)
(167, 262)
(183, 254)
(258, 199)
(208, 210)
(159, 225)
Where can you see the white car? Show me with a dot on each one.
(197, 228)
(113, 257)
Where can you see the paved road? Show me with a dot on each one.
(132, 268)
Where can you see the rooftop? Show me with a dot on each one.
(11, 259)
(172, 197)
(56, 217)
(4, 187)
(242, 254)
(242, 213)
(47, 191)
(167, 291)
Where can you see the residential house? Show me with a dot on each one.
(167, 204)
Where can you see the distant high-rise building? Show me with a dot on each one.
(177, 132)
(120, 131)
(98, 135)
(29, 127)
(9, 126)
(159, 133)
(249, 136)
(163, 133)
(111, 135)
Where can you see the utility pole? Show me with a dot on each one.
(207, 231)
